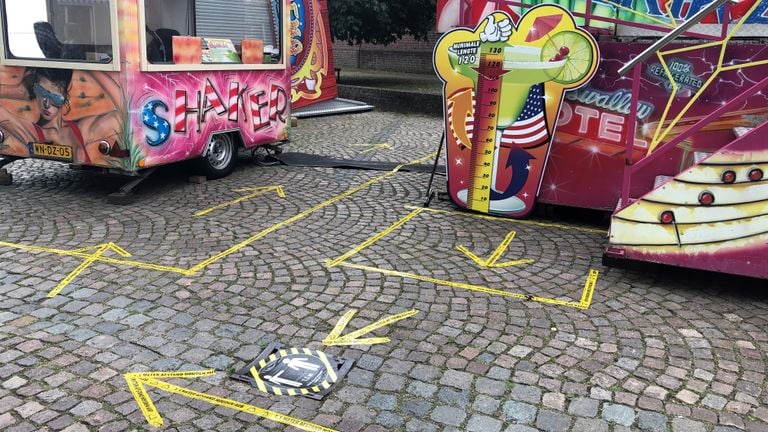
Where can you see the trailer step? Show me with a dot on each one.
(700, 156)
(619, 203)
(660, 180)
(6, 179)
(741, 131)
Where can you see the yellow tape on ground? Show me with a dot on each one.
(502, 248)
(304, 214)
(137, 381)
(76, 272)
(513, 221)
(491, 262)
(256, 192)
(331, 372)
(341, 261)
(144, 401)
(173, 374)
(589, 289)
(76, 253)
(334, 338)
(341, 325)
(579, 305)
(238, 406)
(80, 252)
(381, 323)
(375, 238)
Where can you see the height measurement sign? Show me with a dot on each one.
(503, 85)
(489, 71)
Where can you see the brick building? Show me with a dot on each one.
(405, 55)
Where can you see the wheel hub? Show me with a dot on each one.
(219, 153)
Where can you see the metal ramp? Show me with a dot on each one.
(331, 107)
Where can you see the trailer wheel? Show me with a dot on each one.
(220, 157)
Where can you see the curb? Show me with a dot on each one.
(395, 100)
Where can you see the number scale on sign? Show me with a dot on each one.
(484, 139)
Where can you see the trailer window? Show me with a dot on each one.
(195, 34)
(62, 31)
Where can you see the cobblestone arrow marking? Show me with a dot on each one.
(138, 381)
(100, 250)
(335, 338)
(491, 262)
(257, 191)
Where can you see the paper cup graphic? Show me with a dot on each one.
(253, 51)
(187, 50)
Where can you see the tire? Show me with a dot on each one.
(220, 157)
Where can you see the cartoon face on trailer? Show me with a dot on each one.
(503, 87)
(49, 123)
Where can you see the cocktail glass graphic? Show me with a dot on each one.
(510, 113)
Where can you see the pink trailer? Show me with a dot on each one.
(127, 85)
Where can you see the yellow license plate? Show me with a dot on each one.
(52, 151)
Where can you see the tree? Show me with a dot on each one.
(381, 21)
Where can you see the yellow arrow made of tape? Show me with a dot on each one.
(335, 338)
(492, 261)
(258, 191)
(90, 259)
(98, 255)
(139, 381)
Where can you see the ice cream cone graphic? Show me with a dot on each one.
(503, 87)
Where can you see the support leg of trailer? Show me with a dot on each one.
(125, 194)
(266, 155)
(7, 160)
(6, 178)
(430, 191)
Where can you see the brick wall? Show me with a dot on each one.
(406, 55)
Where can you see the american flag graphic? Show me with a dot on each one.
(530, 128)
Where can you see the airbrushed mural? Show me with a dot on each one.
(593, 125)
(503, 86)
(74, 109)
(131, 120)
(694, 197)
(450, 13)
(313, 76)
(176, 113)
(168, 117)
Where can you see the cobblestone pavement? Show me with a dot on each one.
(658, 349)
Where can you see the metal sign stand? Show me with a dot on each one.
(431, 193)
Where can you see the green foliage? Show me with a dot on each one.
(381, 21)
